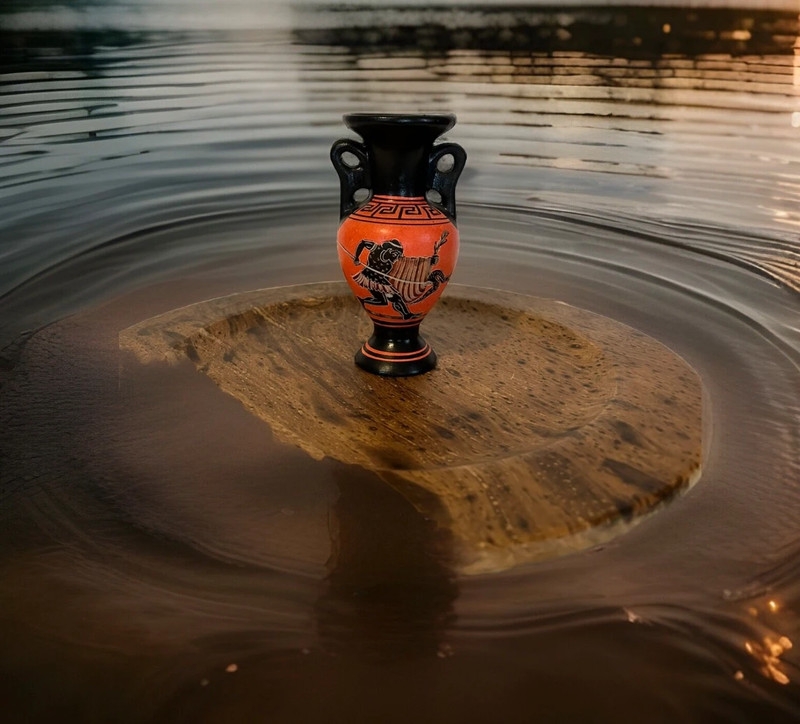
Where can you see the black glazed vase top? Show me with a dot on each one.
(397, 247)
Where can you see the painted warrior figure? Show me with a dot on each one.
(396, 279)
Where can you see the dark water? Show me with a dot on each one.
(165, 559)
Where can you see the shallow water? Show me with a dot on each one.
(165, 559)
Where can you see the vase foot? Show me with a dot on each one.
(396, 353)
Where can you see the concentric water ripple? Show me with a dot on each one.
(165, 559)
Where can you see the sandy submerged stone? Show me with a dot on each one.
(544, 429)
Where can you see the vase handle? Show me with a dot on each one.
(445, 181)
(351, 177)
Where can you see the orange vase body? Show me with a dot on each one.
(397, 250)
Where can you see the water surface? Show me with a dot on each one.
(166, 559)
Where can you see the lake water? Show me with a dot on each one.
(165, 559)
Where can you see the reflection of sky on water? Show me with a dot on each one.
(260, 14)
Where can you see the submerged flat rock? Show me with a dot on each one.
(544, 429)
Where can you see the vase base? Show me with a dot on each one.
(396, 351)
(372, 360)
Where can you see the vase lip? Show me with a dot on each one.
(440, 121)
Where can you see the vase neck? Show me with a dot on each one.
(398, 171)
(399, 149)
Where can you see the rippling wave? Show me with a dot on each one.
(163, 551)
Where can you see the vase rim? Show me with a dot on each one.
(441, 121)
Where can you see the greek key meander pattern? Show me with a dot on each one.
(407, 211)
